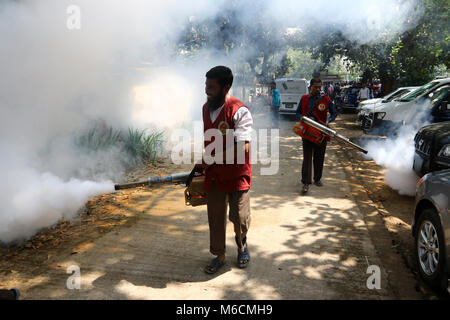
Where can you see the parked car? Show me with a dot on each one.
(431, 107)
(347, 100)
(432, 145)
(367, 104)
(431, 229)
(425, 104)
(367, 109)
(291, 91)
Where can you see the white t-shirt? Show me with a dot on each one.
(243, 122)
(364, 93)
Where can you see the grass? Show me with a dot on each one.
(96, 140)
(139, 145)
(142, 146)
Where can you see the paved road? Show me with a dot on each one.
(302, 247)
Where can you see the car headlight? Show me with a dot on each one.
(445, 151)
(380, 115)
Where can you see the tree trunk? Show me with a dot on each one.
(387, 85)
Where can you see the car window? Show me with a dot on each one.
(437, 95)
(418, 92)
(397, 94)
(399, 98)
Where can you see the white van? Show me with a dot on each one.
(291, 91)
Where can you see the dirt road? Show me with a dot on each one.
(146, 244)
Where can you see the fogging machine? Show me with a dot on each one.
(194, 194)
(315, 132)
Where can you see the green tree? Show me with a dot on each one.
(419, 51)
(250, 35)
(409, 59)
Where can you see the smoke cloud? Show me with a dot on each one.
(121, 66)
(396, 153)
(360, 21)
(397, 156)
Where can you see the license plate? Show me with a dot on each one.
(417, 163)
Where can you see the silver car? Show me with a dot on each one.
(431, 228)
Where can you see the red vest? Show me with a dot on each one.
(228, 177)
(320, 110)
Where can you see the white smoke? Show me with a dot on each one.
(120, 67)
(56, 82)
(38, 200)
(360, 21)
(397, 156)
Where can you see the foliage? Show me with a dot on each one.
(261, 45)
(302, 64)
(96, 140)
(419, 51)
(265, 50)
(409, 59)
(137, 144)
(141, 146)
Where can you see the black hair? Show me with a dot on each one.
(222, 74)
(314, 80)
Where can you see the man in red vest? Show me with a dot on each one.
(316, 107)
(228, 175)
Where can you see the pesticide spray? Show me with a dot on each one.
(118, 63)
(397, 155)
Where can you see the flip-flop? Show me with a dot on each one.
(214, 265)
(243, 256)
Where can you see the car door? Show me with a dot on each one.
(440, 100)
(427, 108)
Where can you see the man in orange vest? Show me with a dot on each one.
(316, 107)
(227, 182)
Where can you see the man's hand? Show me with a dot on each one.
(201, 166)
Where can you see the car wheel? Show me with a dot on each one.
(430, 250)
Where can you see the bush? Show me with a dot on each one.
(139, 145)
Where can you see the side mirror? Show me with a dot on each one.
(445, 106)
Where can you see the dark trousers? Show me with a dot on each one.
(7, 295)
(274, 116)
(313, 154)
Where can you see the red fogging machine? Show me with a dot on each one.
(315, 132)
(194, 194)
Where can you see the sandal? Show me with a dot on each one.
(243, 258)
(305, 188)
(214, 265)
